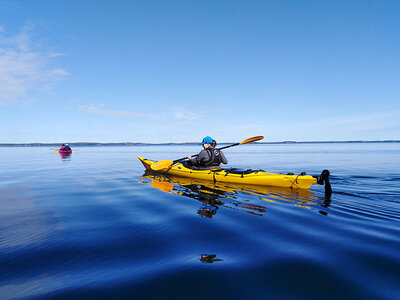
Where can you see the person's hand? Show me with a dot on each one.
(190, 157)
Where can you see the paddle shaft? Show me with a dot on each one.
(167, 163)
(178, 160)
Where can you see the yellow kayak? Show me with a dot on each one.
(252, 177)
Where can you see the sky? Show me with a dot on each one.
(176, 71)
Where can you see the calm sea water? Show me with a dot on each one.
(93, 226)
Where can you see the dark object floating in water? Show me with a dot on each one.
(209, 258)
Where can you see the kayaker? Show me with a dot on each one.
(62, 147)
(67, 148)
(208, 157)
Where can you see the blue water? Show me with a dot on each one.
(92, 225)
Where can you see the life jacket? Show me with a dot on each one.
(67, 148)
(214, 158)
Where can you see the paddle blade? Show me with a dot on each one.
(162, 164)
(252, 139)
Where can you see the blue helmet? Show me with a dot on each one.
(207, 139)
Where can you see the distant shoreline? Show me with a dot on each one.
(187, 143)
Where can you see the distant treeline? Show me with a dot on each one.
(188, 143)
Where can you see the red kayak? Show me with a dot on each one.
(65, 152)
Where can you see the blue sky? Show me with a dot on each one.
(176, 71)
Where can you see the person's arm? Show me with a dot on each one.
(223, 158)
(202, 156)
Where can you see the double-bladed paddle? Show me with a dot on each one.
(162, 164)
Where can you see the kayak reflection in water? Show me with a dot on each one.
(206, 192)
(209, 197)
(208, 158)
(65, 155)
(207, 211)
(215, 195)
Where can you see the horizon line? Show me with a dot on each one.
(188, 143)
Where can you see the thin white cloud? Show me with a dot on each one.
(23, 69)
(99, 110)
(183, 114)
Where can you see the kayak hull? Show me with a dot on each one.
(223, 175)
